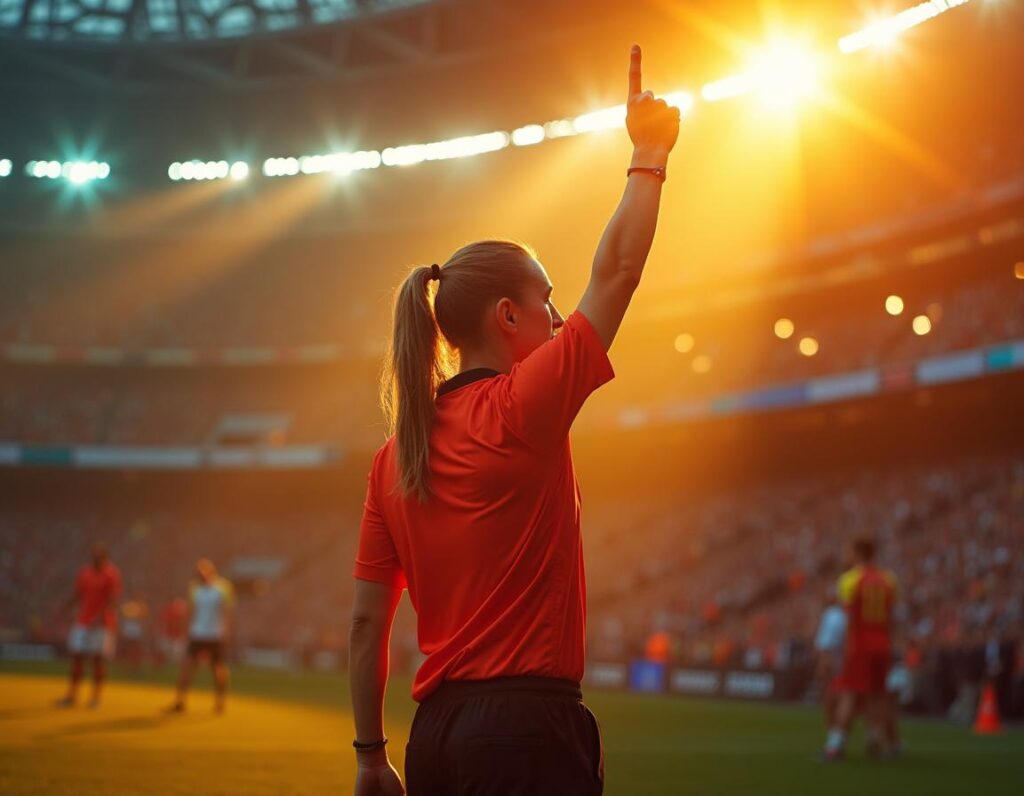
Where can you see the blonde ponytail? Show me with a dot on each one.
(417, 361)
(426, 335)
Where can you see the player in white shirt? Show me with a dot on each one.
(829, 644)
(211, 608)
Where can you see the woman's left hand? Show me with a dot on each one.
(378, 780)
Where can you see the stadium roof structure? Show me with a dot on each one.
(138, 46)
(114, 21)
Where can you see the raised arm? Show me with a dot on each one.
(653, 127)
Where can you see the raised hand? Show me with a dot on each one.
(653, 124)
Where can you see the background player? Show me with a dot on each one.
(173, 622)
(93, 635)
(211, 607)
(868, 594)
(829, 644)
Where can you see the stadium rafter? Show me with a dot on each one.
(116, 21)
(397, 37)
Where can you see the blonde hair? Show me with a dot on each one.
(430, 326)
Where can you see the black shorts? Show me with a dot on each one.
(506, 736)
(211, 647)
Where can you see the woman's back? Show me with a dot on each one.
(493, 560)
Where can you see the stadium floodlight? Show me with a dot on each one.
(528, 135)
(679, 99)
(78, 172)
(361, 160)
(342, 163)
(339, 163)
(884, 31)
(273, 167)
(684, 343)
(728, 87)
(784, 328)
(404, 155)
(613, 118)
(465, 146)
(5, 167)
(53, 169)
(894, 305)
(208, 170)
(921, 324)
(786, 73)
(780, 74)
(808, 346)
(701, 363)
(560, 128)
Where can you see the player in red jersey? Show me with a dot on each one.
(868, 593)
(93, 634)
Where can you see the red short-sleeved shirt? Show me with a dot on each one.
(494, 560)
(98, 590)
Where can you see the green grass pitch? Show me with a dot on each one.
(290, 734)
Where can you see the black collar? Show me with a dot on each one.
(464, 378)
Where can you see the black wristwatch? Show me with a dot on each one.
(370, 747)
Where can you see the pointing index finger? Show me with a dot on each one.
(634, 71)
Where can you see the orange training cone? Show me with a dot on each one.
(987, 722)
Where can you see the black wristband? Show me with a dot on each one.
(370, 747)
(657, 171)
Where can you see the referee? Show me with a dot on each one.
(473, 505)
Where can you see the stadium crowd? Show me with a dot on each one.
(337, 403)
(735, 579)
(741, 579)
(306, 405)
(853, 335)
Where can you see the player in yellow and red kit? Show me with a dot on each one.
(868, 594)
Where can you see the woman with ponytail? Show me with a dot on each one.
(473, 505)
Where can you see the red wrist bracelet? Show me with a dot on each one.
(657, 171)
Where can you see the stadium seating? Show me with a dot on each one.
(336, 403)
(738, 578)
